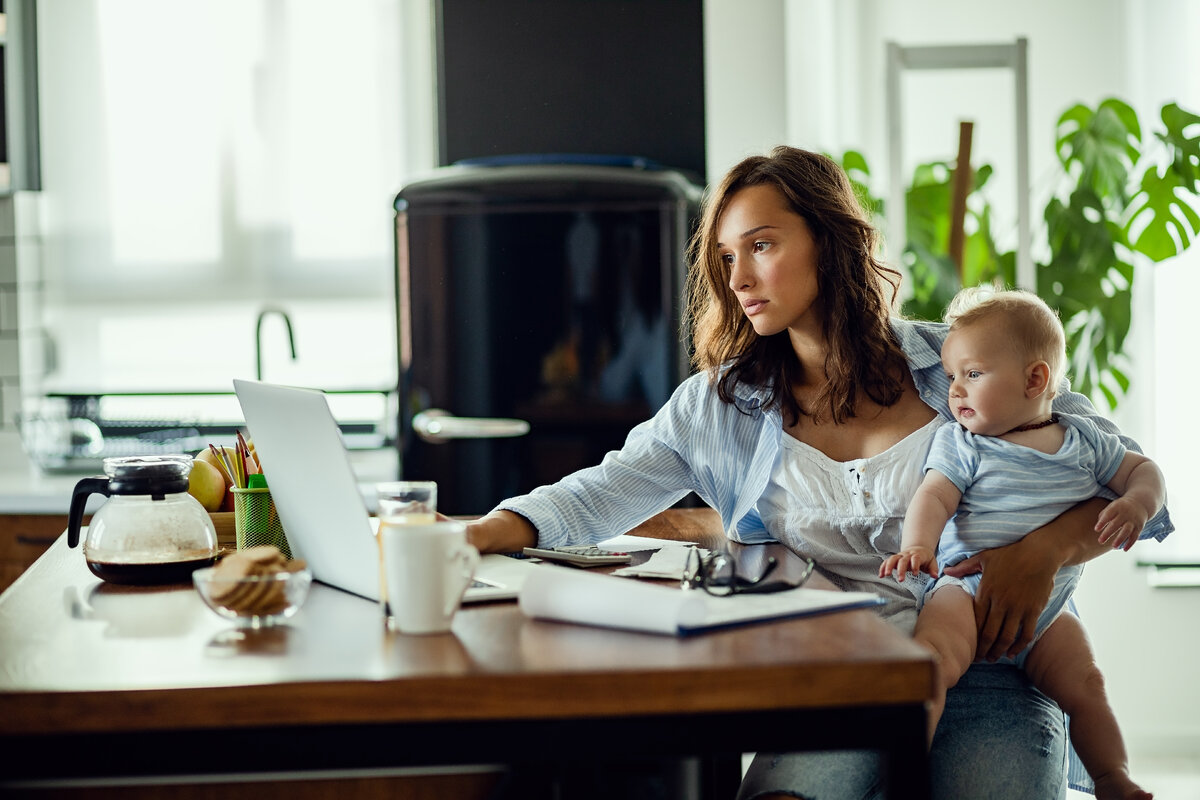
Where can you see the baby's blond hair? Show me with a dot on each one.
(1032, 327)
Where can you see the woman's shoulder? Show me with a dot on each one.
(920, 340)
(1076, 420)
(698, 424)
(697, 387)
(703, 387)
(1088, 430)
(1087, 427)
(696, 409)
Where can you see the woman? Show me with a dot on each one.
(807, 423)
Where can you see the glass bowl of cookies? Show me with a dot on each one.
(256, 587)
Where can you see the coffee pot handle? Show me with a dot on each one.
(79, 498)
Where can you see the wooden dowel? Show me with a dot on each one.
(958, 195)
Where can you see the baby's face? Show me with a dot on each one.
(987, 379)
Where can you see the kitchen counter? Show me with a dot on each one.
(25, 489)
(34, 504)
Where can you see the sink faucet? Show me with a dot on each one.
(258, 323)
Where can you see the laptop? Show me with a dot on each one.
(318, 498)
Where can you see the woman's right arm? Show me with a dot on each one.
(649, 473)
(501, 532)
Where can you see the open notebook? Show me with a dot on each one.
(570, 595)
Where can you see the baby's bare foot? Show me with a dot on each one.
(1118, 785)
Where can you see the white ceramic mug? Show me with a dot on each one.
(428, 568)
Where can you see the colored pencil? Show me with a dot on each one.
(247, 459)
(222, 464)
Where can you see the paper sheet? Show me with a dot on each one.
(668, 562)
(636, 544)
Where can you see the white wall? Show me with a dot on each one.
(811, 73)
(1152, 667)
(745, 99)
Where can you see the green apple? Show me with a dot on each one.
(206, 484)
(209, 457)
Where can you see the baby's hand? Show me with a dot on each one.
(1120, 523)
(910, 559)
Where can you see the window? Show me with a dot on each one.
(204, 160)
(1176, 385)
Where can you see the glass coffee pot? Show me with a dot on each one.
(150, 531)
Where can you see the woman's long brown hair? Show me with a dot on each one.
(853, 292)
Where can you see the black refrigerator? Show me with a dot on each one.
(538, 310)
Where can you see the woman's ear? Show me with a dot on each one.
(1037, 379)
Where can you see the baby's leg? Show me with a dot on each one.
(1062, 665)
(946, 625)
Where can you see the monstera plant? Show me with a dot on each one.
(1123, 199)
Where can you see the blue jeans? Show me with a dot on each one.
(998, 738)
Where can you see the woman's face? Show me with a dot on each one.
(771, 259)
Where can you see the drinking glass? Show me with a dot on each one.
(401, 503)
(407, 502)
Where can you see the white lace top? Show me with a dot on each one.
(847, 514)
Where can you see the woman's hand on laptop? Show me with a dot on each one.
(501, 532)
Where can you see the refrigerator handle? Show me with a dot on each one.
(438, 426)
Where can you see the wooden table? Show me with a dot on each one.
(99, 681)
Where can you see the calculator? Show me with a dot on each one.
(578, 555)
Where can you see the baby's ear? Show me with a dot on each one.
(1037, 379)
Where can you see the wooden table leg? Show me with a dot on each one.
(906, 759)
(720, 776)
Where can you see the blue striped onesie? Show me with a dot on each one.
(1009, 490)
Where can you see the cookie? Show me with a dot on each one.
(260, 596)
(226, 576)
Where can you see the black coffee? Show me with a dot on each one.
(149, 574)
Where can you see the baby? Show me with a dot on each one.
(1010, 466)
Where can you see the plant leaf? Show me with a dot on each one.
(1129, 119)
(855, 166)
(854, 161)
(1081, 250)
(1070, 125)
(1105, 144)
(935, 282)
(980, 178)
(1185, 152)
(928, 208)
(1159, 208)
(1108, 395)
(1120, 377)
(981, 262)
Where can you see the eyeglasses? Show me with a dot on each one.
(717, 574)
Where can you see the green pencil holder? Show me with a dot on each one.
(256, 521)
